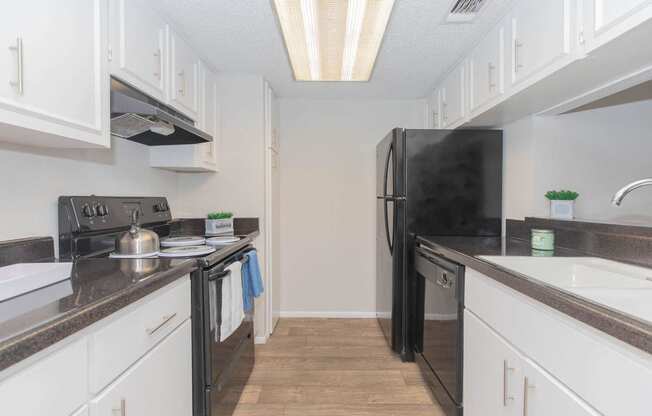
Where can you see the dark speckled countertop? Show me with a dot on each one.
(97, 288)
(465, 250)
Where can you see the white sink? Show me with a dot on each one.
(622, 287)
(21, 278)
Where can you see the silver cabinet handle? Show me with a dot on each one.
(506, 370)
(490, 70)
(526, 395)
(18, 48)
(159, 64)
(166, 319)
(182, 90)
(122, 409)
(517, 63)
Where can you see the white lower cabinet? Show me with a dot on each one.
(38, 389)
(499, 381)
(571, 368)
(491, 371)
(158, 384)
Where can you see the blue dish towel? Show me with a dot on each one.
(252, 280)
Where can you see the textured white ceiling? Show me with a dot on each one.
(243, 36)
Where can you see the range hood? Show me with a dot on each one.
(136, 116)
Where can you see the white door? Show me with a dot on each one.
(544, 396)
(540, 35)
(492, 371)
(53, 74)
(210, 119)
(158, 384)
(184, 74)
(486, 70)
(137, 40)
(452, 98)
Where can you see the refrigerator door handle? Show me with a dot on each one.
(388, 159)
(389, 240)
(391, 198)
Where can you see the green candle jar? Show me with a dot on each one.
(543, 239)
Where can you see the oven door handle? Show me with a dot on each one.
(219, 275)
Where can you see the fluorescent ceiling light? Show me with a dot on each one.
(333, 40)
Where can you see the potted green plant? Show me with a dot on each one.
(562, 204)
(219, 223)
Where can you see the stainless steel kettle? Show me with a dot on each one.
(137, 241)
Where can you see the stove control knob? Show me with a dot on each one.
(100, 210)
(87, 211)
(105, 209)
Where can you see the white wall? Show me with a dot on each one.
(594, 152)
(32, 179)
(328, 201)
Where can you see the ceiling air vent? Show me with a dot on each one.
(464, 11)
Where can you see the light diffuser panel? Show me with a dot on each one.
(333, 40)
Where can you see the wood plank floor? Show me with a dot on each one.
(332, 367)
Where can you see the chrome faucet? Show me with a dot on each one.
(622, 193)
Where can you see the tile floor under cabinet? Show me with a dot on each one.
(332, 367)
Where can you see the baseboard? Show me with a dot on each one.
(328, 314)
(261, 340)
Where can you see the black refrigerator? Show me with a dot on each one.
(428, 182)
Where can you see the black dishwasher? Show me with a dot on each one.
(439, 340)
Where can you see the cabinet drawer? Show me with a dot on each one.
(38, 390)
(612, 378)
(159, 384)
(116, 346)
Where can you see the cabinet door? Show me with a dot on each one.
(158, 384)
(137, 37)
(486, 70)
(435, 110)
(184, 74)
(453, 98)
(604, 20)
(211, 122)
(53, 72)
(491, 372)
(82, 412)
(540, 36)
(542, 395)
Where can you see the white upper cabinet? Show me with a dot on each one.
(196, 157)
(210, 116)
(486, 70)
(604, 20)
(540, 37)
(452, 98)
(184, 76)
(434, 105)
(53, 73)
(137, 47)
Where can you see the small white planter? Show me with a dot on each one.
(218, 227)
(563, 210)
